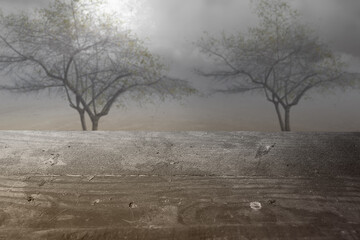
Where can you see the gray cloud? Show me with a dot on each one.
(338, 22)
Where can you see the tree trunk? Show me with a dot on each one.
(95, 123)
(281, 122)
(287, 119)
(82, 119)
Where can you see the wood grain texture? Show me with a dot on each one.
(67, 207)
(180, 153)
(191, 185)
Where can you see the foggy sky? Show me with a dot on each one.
(171, 27)
(173, 22)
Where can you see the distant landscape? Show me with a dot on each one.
(339, 112)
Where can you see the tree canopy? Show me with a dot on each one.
(75, 47)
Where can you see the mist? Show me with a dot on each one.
(169, 29)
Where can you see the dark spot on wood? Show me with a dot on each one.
(26, 178)
(91, 177)
(132, 205)
(272, 201)
(42, 183)
(263, 150)
(30, 199)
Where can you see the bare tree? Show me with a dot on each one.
(280, 57)
(83, 51)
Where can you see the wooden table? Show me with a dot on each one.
(180, 185)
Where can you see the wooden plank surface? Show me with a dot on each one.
(180, 153)
(70, 207)
(190, 185)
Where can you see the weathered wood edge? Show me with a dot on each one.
(180, 153)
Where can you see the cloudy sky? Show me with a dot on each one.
(170, 27)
